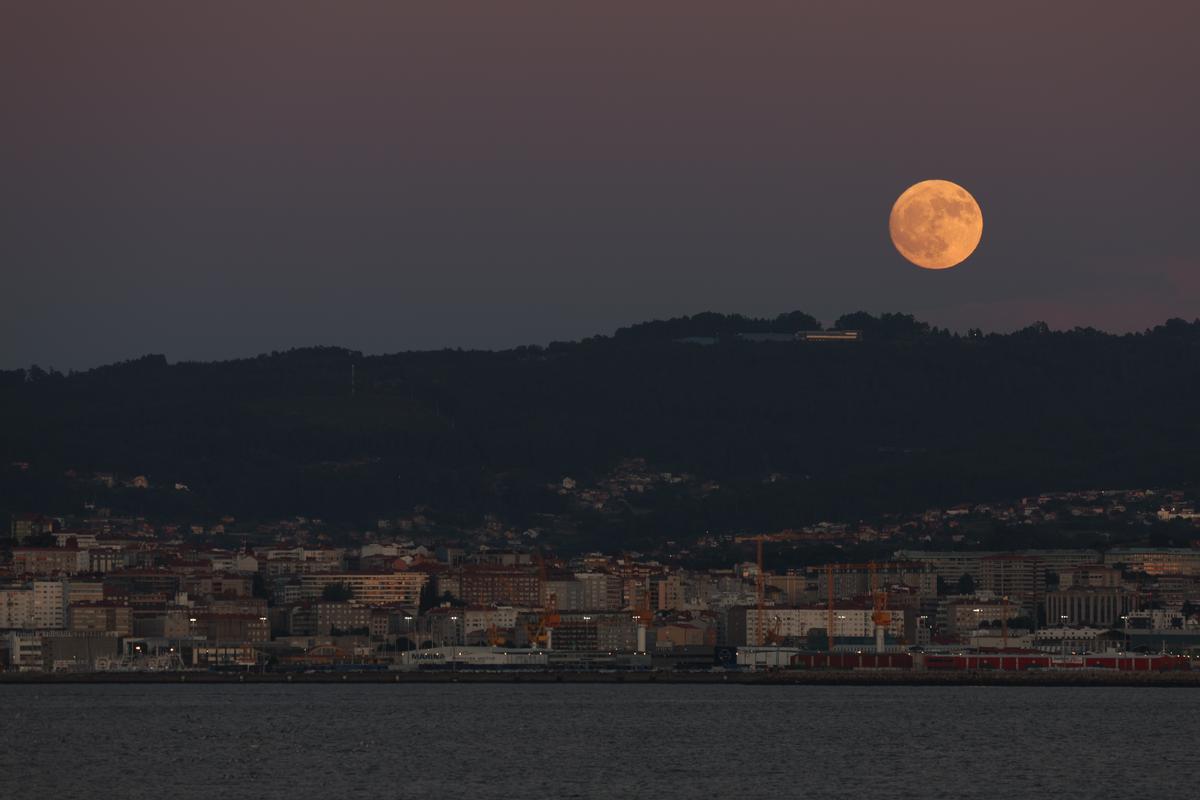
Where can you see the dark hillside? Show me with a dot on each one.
(908, 417)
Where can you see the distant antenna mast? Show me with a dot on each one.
(353, 387)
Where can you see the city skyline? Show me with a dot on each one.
(1108, 576)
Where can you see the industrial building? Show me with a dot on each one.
(461, 656)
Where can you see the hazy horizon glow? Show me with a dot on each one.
(233, 178)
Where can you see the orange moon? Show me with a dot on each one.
(936, 224)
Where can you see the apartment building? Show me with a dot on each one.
(368, 588)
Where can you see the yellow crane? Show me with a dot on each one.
(539, 630)
(761, 635)
(494, 637)
(880, 616)
(879, 613)
(759, 584)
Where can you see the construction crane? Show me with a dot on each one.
(643, 612)
(494, 637)
(760, 579)
(759, 585)
(773, 635)
(539, 630)
(879, 613)
(880, 616)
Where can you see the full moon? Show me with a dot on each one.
(936, 224)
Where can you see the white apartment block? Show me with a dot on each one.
(797, 622)
(50, 604)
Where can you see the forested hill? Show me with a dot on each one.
(792, 431)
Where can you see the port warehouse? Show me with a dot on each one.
(720, 659)
(1009, 662)
(780, 658)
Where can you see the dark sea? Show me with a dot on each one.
(608, 741)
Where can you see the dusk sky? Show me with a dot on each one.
(220, 179)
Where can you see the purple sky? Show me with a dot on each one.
(220, 179)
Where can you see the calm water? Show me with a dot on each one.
(473, 741)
